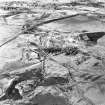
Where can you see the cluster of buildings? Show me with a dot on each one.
(19, 4)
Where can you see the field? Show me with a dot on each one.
(52, 53)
